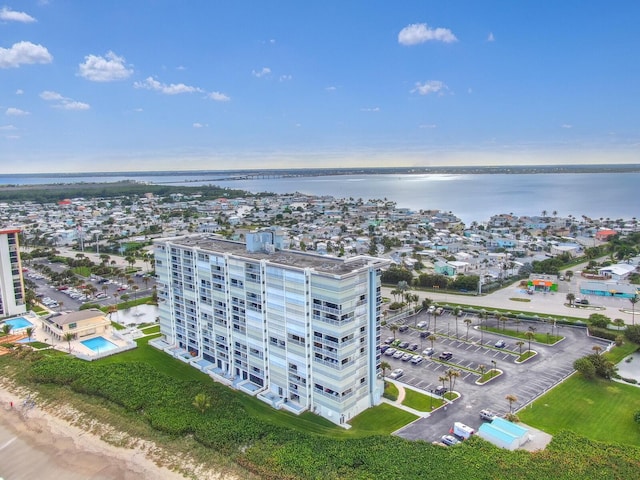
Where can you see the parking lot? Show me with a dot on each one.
(107, 291)
(526, 381)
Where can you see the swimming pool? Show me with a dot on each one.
(18, 323)
(99, 344)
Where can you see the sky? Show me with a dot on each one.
(121, 85)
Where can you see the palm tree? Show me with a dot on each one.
(442, 379)
(597, 349)
(482, 316)
(520, 343)
(482, 368)
(435, 320)
(529, 336)
(456, 313)
(68, 337)
(570, 298)
(568, 274)
(511, 399)
(504, 321)
(433, 338)
(29, 332)
(394, 329)
(468, 321)
(633, 301)
(6, 329)
(384, 366)
(202, 402)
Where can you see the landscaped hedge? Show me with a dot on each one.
(276, 452)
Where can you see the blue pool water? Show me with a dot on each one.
(99, 344)
(19, 323)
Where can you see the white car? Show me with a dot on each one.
(417, 359)
(421, 324)
(397, 373)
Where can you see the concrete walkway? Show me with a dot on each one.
(401, 396)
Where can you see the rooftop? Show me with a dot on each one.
(286, 258)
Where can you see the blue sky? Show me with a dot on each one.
(162, 85)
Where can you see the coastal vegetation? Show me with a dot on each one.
(150, 392)
(54, 193)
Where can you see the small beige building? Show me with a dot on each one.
(81, 324)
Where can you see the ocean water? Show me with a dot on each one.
(472, 197)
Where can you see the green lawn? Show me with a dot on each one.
(380, 420)
(419, 401)
(598, 409)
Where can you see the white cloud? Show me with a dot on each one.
(491, 38)
(23, 53)
(16, 112)
(428, 125)
(218, 97)
(104, 69)
(19, 91)
(7, 128)
(68, 104)
(63, 103)
(199, 125)
(331, 88)
(566, 125)
(261, 73)
(370, 109)
(420, 33)
(13, 16)
(151, 83)
(48, 95)
(432, 86)
(285, 78)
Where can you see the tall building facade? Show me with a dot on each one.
(300, 331)
(12, 299)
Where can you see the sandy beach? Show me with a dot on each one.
(36, 444)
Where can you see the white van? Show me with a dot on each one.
(462, 431)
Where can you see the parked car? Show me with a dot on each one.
(445, 356)
(384, 348)
(421, 324)
(406, 357)
(440, 391)
(403, 328)
(425, 334)
(500, 344)
(397, 373)
(427, 352)
(487, 415)
(389, 340)
(404, 345)
(390, 351)
(417, 359)
(398, 354)
(413, 346)
(449, 440)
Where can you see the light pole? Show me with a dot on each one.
(493, 370)
(431, 400)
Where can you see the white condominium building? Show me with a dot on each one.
(12, 301)
(298, 330)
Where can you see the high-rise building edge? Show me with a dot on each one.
(12, 297)
(300, 331)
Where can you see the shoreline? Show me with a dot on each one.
(35, 443)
